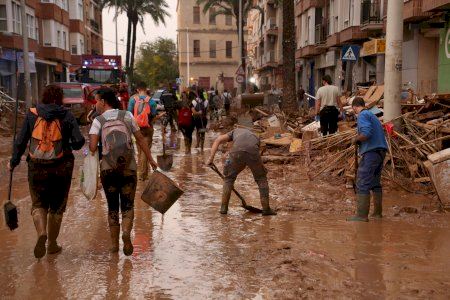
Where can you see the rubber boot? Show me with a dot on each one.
(114, 230)
(202, 143)
(266, 210)
(189, 143)
(127, 225)
(226, 194)
(362, 208)
(54, 225)
(187, 147)
(377, 205)
(40, 222)
(197, 140)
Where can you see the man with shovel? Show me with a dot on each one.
(245, 152)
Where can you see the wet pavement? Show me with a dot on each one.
(193, 252)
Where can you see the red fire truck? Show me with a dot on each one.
(104, 70)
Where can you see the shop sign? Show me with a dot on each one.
(373, 47)
(7, 54)
(31, 59)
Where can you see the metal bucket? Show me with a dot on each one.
(161, 192)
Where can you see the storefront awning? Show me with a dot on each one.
(5, 73)
(46, 62)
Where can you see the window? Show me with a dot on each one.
(64, 41)
(81, 46)
(74, 50)
(36, 27)
(212, 16)
(17, 18)
(228, 20)
(80, 9)
(212, 49)
(196, 48)
(3, 23)
(32, 27)
(229, 49)
(58, 39)
(196, 14)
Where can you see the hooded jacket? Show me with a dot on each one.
(71, 136)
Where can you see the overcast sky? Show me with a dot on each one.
(151, 31)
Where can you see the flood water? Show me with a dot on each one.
(193, 252)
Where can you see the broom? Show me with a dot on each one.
(9, 208)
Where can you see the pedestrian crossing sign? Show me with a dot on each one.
(350, 53)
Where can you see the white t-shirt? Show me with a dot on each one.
(195, 102)
(327, 95)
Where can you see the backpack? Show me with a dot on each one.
(227, 99)
(46, 139)
(116, 141)
(213, 103)
(200, 106)
(185, 117)
(141, 111)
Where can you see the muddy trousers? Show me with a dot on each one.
(120, 190)
(235, 164)
(329, 116)
(187, 134)
(142, 159)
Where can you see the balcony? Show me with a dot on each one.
(95, 26)
(435, 5)
(271, 27)
(304, 5)
(321, 34)
(371, 18)
(352, 34)
(412, 11)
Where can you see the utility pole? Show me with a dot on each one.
(117, 45)
(26, 55)
(393, 66)
(241, 57)
(188, 75)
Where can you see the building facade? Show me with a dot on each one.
(209, 45)
(58, 32)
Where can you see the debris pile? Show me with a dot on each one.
(7, 113)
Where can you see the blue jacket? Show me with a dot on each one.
(370, 127)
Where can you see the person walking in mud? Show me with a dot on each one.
(114, 127)
(327, 105)
(372, 148)
(185, 120)
(199, 111)
(244, 152)
(145, 114)
(52, 133)
(170, 102)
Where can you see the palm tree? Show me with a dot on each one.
(136, 10)
(289, 44)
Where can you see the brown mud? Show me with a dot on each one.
(193, 252)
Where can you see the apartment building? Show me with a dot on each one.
(264, 45)
(324, 27)
(57, 31)
(209, 44)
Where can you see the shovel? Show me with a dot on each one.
(356, 168)
(244, 204)
(165, 161)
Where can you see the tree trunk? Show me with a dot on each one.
(289, 103)
(128, 43)
(133, 50)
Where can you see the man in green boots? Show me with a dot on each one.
(372, 148)
(245, 152)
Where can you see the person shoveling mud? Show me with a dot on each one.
(245, 152)
(118, 167)
(52, 132)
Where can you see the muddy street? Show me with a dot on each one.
(193, 252)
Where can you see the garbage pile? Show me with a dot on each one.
(7, 113)
(424, 131)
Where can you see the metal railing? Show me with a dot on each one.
(321, 34)
(370, 12)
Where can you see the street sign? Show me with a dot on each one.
(240, 70)
(350, 53)
(179, 81)
(239, 79)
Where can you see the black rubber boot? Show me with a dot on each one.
(362, 208)
(40, 222)
(127, 225)
(54, 225)
(377, 205)
(226, 194)
(266, 210)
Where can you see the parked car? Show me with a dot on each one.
(157, 98)
(79, 98)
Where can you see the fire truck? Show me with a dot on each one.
(104, 70)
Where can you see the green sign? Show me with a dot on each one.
(444, 61)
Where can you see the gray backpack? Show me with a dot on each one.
(116, 141)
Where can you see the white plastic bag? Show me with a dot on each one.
(89, 175)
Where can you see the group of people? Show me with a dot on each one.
(51, 133)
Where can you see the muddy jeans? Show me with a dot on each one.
(329, 116)
(369, 172)
(120, 189)
(142, 159)
(236, 163)
(49, 184)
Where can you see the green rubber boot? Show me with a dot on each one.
(362, 208)
(377, 205)
(54, 225)
(226, 194)
(40, 222)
